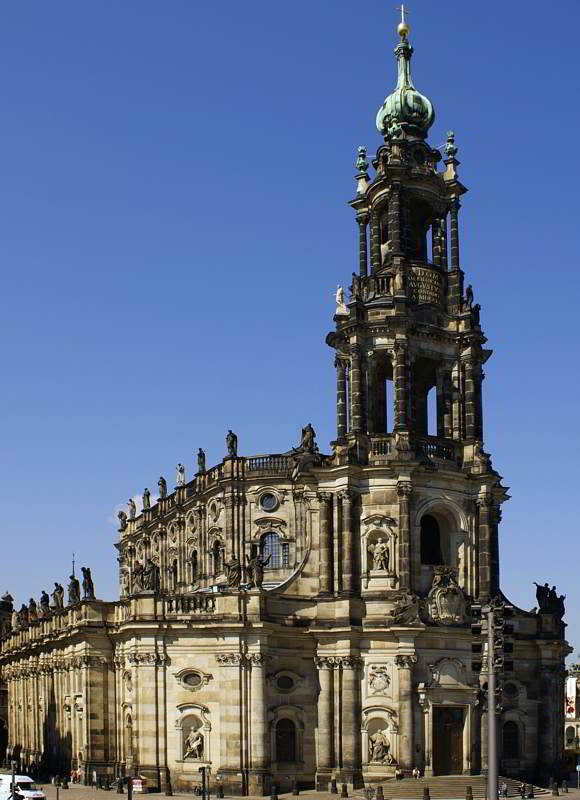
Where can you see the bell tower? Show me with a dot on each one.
(409, 347)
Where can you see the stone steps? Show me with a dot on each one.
(445, 787)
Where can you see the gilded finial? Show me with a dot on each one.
(403, 28)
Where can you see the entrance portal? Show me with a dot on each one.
(447, 741)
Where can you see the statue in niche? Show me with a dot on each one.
(399, 281)
(44, 604)
(58, 595)
(122, 521)
(88, 585)
(132, 508)
(193, 745)
(232, 444)
(146, 500)
(150, 576)
(200, 460)
(379, 748)
(380, 555)
(233, 571)
(194, 565)
(180, 475)
(172, 570)
(137, 583)
(32, 610)
(74, 591)
(307, 440)
(256, 570)
(162, 484)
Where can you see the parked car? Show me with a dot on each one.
(25, 787)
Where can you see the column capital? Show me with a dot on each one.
(347, 495)
(350, 662)
(324, 497)
(484, 502)
(363, 217)
(406, 661)
(258, 659)
(325, 662)
(229, 659)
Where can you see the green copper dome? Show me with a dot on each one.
(405, 108)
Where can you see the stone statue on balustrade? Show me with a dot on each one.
(44, 604)
(380, 555)
(256, 570)
(32, 610)
(469, 297)
(548, 600)
(74, 591)
(232, 444)
(355, 286)
(180, 475)
(308, 439)
(122, 521)
(15, 620)
(193, 745)
(23, 616)
(151, 576)
(233, 570)
(162, 484)
(200, 460)
(132, 508)
(341, 309)
(58, 596)
(88, 585)
(146, 500)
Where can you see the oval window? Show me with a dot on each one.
(285, 683)
(269, 502)
(192, 679)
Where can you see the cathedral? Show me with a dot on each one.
(302, 616)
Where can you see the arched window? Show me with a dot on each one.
(270, 545)
(285, 741)
(193, 565)
(570, 735)
(511, 740)
(430, 541)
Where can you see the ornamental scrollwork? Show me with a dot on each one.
(406, 661)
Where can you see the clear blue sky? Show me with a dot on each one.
(173, 222)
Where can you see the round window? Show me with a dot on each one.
(269, 502)
(285, 683)
(192, 679)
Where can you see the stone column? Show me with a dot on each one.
(229, 532)
(404, 490)
(484, 504)
(455, 206)
(259, 759)
(495, 519)
(400, 387)
(348, 578)
(340, 398)
(351, 772)
(370, 389)
(230, 711)
(447, 405)
(469, 399)
(325, 752)
(405, 674)
(395, 221)
(324, 550)
(376, 242)
(363, 220)
(440, 390)
(356, 410)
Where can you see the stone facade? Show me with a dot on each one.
(354, 654)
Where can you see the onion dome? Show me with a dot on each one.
(405, 109)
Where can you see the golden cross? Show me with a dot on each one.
(403, 11)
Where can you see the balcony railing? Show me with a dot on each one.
(190, 604)
(272, 463)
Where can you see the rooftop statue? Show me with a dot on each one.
(88, 585)
(233, 572)
(122, 521)
(232, 443)
(162, 483)
(256, 570)
(200, 460)
(180, 476)
(32, 610)
(74, 591)
(307, 440)
(58, 595)
(44, 604)
(146, 500)
(132, 508)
